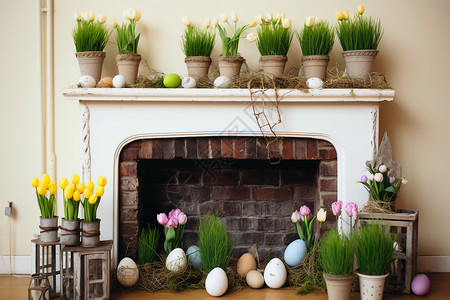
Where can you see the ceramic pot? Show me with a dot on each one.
(128, 65)
(338, 286)
(91, 63)
(49, 229)
(273, 65)
(359, 63)
(70, 232)
(315, 66)
(198, 66)
(230, 66)
(90, 233)
(371, 286)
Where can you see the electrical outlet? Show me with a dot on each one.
(8, 209)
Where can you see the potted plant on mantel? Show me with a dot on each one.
(70, 224)
(197, 45)
(316, 40)
(127, 43)
(374, 253)
(359, 37)
(230, 61)
(274, 37)
(48, 221)
(90, 37)
(90, 226)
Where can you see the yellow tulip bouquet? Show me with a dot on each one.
(92, 199)
(46, 203)
(71, 196)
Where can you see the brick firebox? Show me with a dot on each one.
(231, 176)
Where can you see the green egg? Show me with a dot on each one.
(172, 80)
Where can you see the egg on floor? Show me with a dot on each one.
(245, 263)
(420, 284)
(176, 261)
(127, 272)
(87, 81)
(254, 279)
(275, 273)
(118, 81)
(295, 253)
(216, 282)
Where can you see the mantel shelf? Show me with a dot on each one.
(226, 95)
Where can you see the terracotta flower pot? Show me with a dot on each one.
(198, 66)
(273, 65)
(70, 232)
(90, 233)
(230, 66)
(91, 63)
(315, 66)
(128, 65)
(359, 63)
(49, 229)
(371, 286)
(338, 286)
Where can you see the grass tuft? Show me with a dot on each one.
(197, 42)
(273, 38)
(147, 244)
(90, 35)
(336, 253)
(317, 39)
(361, 33)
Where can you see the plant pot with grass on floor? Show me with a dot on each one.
(127, 43)
(359, 37)
(90, 37)
(374, 252)
(316, 41)
(197, 44)
(274, 37)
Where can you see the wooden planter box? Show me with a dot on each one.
(45, 255)
(404, 265)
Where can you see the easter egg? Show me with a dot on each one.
(193, 254)
(127, 272)
(295, 253)
(105, 82)
(275, 273)
(118, 81)
(420, 285)
(176, 260)
(87, 81)
(216, 283)
(189, 82)
(314, 83)
(245, 263)
(172, 80)
(222, 82)
(254, 279)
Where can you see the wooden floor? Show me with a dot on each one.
(15, 287)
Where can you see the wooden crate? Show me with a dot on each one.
(45, 262)
(85, 272)
(404, 265)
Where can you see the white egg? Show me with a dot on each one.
(87, 81)
(119, 81)
(314, 83)
(127, 272)
(275, 273)
(189, 82)
(216, 283)
(176, 260)
(222, 82)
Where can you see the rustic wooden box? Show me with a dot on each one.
(44, 255)
(404, 265)
(85, 272)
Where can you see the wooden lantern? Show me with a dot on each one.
(39, 287)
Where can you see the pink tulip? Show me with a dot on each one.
(162, 218)
(370, 176)
(351, 209)
(174, 213)
(355, 210)
(337, 208)
(182, 218)
(172, 222)
(378, 177)
(391, 179)
(382, 168)
(305, 211)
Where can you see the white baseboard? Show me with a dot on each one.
(433, 264)
(425, 263)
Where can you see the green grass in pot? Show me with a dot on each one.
(336, 253)
(197, 42)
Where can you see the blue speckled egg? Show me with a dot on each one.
(193, 254)
(295, 253)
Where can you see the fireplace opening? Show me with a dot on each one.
(231, 176)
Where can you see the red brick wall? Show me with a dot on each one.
(230, 175)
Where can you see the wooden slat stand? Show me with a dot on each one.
(45, 262)
(404, 265)
(85, 272)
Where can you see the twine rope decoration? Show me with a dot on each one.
(69, 231)
(47, 229)
(90, 233)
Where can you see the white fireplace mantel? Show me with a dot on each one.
(112, 118)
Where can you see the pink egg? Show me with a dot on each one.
(420, 285)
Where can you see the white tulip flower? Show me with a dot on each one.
(101, 18)
(251, 37)
(207, 23)
(215, 22)
(286, 23)
(224, 17)
(234, 17)
(309, 21)
(186, 21)
(77, 16)
(317, 20)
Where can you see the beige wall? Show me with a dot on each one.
(417, 120)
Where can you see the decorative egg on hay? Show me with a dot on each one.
(176, 260)
(172, 80)
(314, 83)
(216, 283)
(105, 82)
(127, 272)
(222, 82)
(118, 81)
(193, 254)
(254, 279)
(189, 82)
(295, 253)
(275, 273)
(245, 263)
(87, 81)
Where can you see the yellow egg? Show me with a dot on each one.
(245, 263)
(105, 82)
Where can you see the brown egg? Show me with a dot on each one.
(254, 279)
(245, 263)
(105, 82)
